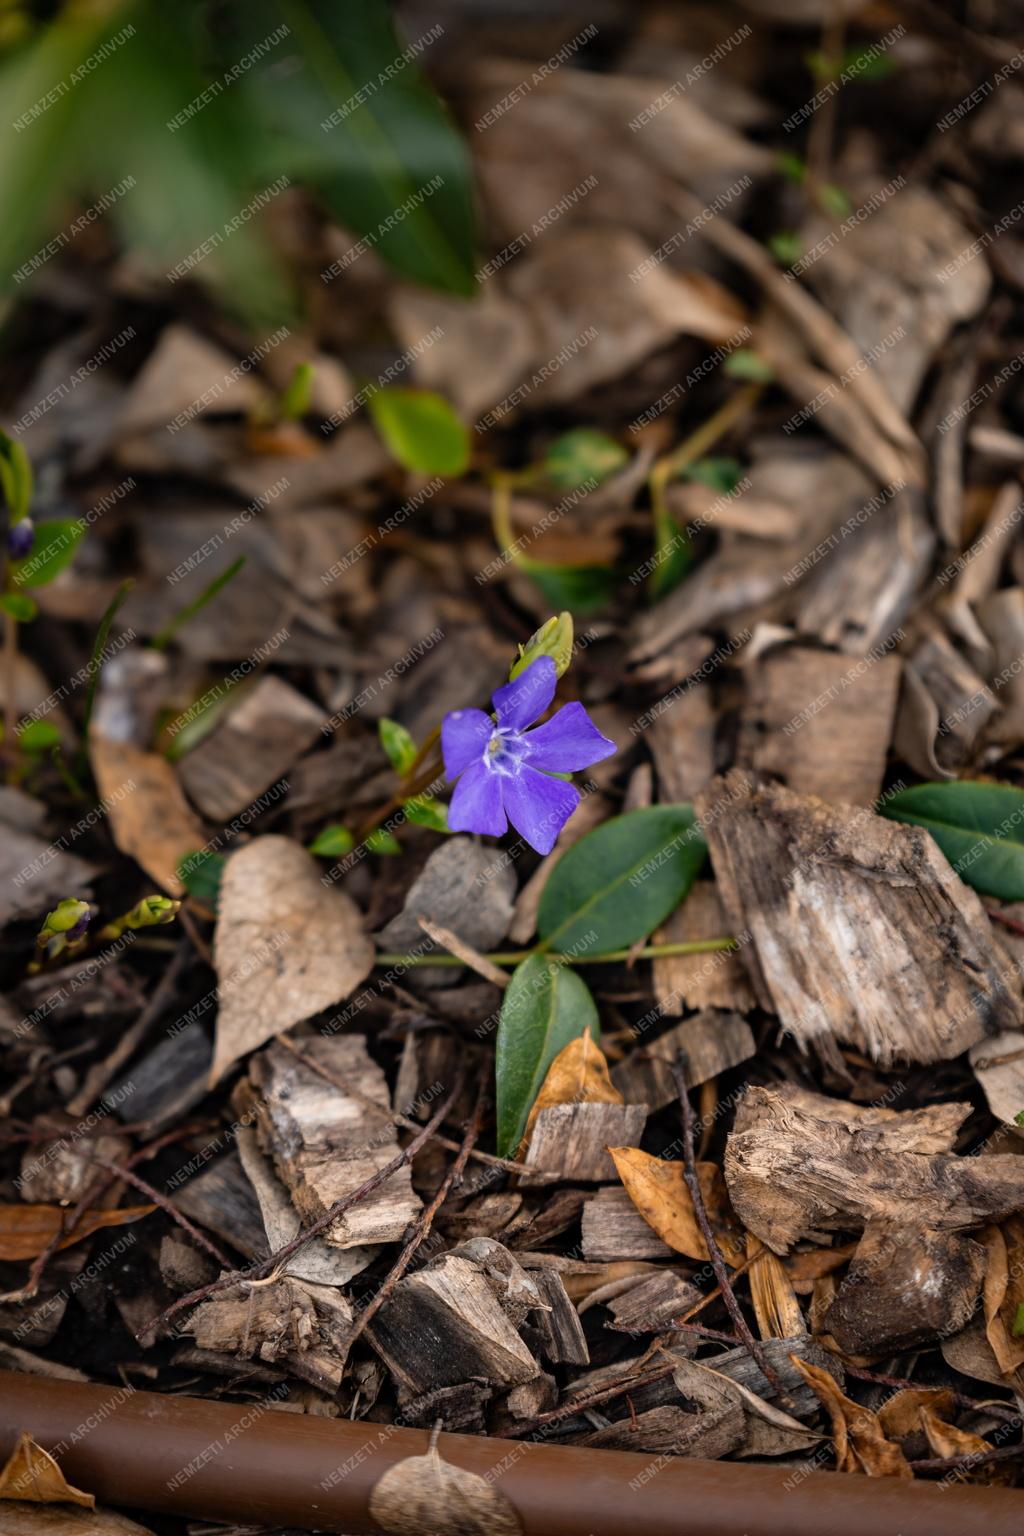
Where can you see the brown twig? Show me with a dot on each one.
(421, 1231)
(1007, 922)
(972, 1459)
(266, 1266)
(732, 1306)
(166, 1205)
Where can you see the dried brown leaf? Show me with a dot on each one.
(32, 1475)
(658, 1190)
(149, 817)
(578, 1075)
(426, 1494)
(1003, 1291)
(946, 1440)
(25, 1230)
(900, 1415)
(778, 1313)
(286, 946)
(860, 1443)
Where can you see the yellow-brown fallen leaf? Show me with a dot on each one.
(946, 1440)
(577, 1075)
(25, 1230)
(149, 817)
(658, 1190)
(778, 1313)
(1003, 1291)
(32, 1475)
(427, 1493)
(805, 1268)
(860, 1444)
(900, 1415)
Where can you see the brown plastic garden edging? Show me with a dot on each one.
(223, 1461)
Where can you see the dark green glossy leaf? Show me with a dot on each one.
(979, 827)
(620, 881)
(52, 549)
(421, 430)
(545, 1006)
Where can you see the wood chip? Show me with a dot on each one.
(713, 1041)
(859, 929)
(716, 980)
(651, 1303)
(613, 1228)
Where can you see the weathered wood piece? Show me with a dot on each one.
(290, 1322)
(652, 1303)
(166, 1082)
(998, 1064)
(614, 1229)
(740, 1366)
(858, 929)
(789, 732)
(460, 1408)
(945, 710)
(221, 1199)
(557, 1322)
(799, 1164)
(713, 1041)
(325, 1143)
(570, 1141)
(250, 749)
(716, 980)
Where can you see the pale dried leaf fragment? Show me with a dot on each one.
(948, 1441)
(25, 1230)
(578, 1075)
(33, 1476)
(286, 946)
(774, 1300)
(426, 1494)
(658, 1190)
(149, 817)
(858, 1438)
(900, 1415)
(1003, 1292)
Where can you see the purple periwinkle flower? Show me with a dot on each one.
(19, 539)
(504, 771)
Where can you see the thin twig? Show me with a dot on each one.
(732, 1306)
(421, 1231)
(265, 1266)
(167, 1206)
(972, 1459)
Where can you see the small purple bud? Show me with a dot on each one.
(19, 538)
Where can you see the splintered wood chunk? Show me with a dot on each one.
(614, 1229)
(559, 1327)
(713, 1042)
(740, 1366)
(570, 1141)
(251, 748)
(325, 1142)
(716, 980)
(799, 1164)
(458, 1408)
(301, 1325)
(789, 732)
(653, 1303)
(857, 928)
(444, 1325)
(221, 1199)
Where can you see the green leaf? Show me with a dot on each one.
(792, 167)
(979, 827)
(423, 811)
(38, 736)
(18, 606)
(722, 475)
(1017, 1326)
(200, 873)
(52, 549)
(582, 456)
(673, 552)
(868, 64)
(785, 246)
(834, 200)
(421, 430)
(580, 588)
(332, 842)
(746, 364)
(380, 840)
(295, 401)
(546, 1005)
(15, 478)
(620, 881)
(398, 744)
(161, 640)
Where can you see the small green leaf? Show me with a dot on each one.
(19, 606)
(581, 456)
(545, 1006)
(200, 873)
(398, 744)
(834, 200)
(15, 478)
(295, 400)
(554, 638)
(38, 736)
(792, 167)
(979, 827)
(423, 811)
(579, 588)
(868, 64)
(163, 638)
(52, 549)
(746, 364)
(785, 246)
(673, 552)
(722, 475)
(332, 842)
(1017, 1326)
(621, 880)
(1019, 1117)
(421, 430)
(380, 840)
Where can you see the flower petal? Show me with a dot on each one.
(568, 741)
(476, 804)
(519, 704)
(538, 807)
(464, 737)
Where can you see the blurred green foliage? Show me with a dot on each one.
(184, 119)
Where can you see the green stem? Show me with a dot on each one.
(514, 956)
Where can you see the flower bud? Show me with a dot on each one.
(553, 639)
(68, 920)
(20, 537)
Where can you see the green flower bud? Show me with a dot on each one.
(150, 912)
(68, 920)
(553, 639)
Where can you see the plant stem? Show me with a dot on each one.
(514, 956)
(10, 687)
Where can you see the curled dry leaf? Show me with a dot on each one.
(858, 1437)
(658, 1190)
(578, 1075)
(771, 1292)
(25, 1230)
(900, 1415)
(946, 1440)
(32, 1476)
(1003, 1292)
(286, 946)
(426, 1494)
